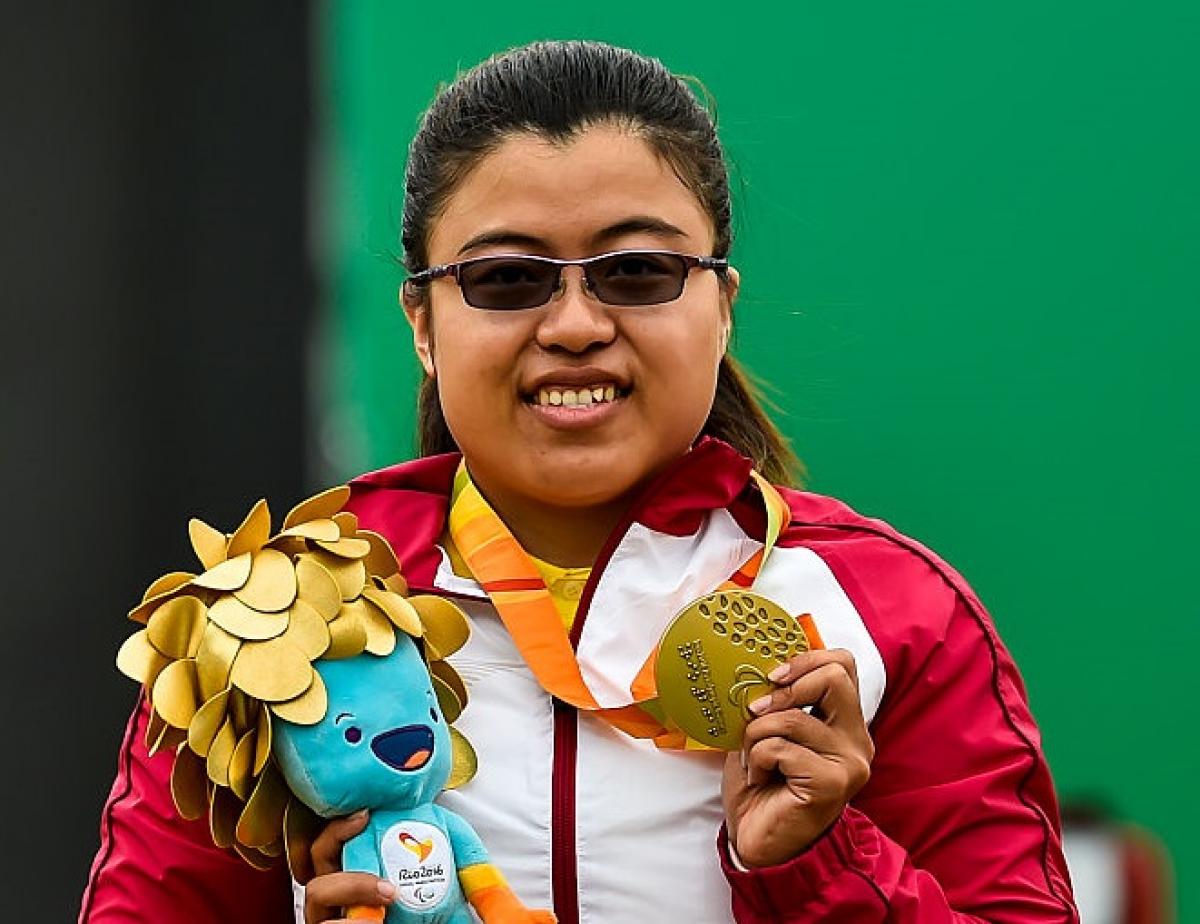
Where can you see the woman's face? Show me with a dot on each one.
(606, 190)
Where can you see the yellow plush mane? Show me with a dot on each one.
(224, 650)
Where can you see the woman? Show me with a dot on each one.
(609, 439)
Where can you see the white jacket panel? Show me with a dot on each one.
(646, 824)
(655, 846)
(510, 722)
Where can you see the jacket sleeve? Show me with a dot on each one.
(154, 866)
(959, 822)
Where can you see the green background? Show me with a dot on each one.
(968, 236)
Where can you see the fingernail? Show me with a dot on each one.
(360, 815)
(778, 674)
(387, 891)
(760, 704)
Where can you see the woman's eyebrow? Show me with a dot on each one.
(637, 224)
(502, 236)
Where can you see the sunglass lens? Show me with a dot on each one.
(507, 284)
(637, 278)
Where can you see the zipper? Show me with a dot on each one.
(564, 875)
(564, 869)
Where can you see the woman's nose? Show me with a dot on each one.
(575, 320)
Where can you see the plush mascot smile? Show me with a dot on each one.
(407, 748)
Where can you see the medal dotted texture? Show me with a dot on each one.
(714, 658)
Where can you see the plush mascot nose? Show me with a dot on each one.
(407, 748)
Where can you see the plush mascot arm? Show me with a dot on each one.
(484, 886)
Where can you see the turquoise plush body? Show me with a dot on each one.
(385, 746)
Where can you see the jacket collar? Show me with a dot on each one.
(408, 503)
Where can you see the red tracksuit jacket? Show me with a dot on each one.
(958, 823)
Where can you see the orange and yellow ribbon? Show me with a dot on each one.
(519, 593)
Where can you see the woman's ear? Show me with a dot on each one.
(732, 284)
(417, 310)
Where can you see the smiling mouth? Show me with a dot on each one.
(581, 397)
(404, 749)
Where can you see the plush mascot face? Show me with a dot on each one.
(383, 743)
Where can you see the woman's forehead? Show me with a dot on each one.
(568, 195)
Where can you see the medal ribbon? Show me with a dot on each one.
(509, 577)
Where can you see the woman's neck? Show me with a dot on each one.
(570, 537)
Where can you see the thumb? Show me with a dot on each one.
(327, 847)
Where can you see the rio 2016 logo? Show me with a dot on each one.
(422, 849)
(417, 859)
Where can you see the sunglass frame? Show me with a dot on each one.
(455, 270)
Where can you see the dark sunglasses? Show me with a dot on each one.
(510, 282)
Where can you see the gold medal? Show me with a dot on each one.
(713, 661)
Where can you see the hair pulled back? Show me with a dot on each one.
(556, 90)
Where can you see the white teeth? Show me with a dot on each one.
(571, 397)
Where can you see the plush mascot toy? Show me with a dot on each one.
(294, 679)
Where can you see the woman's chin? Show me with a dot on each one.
(571, 475)
(596, 477)
(582, 491)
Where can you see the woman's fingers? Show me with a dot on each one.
(774, 758)
(327, 847)
(838, 774)
(801, 664)
(788, 740)
(326, 895)
(794, 725)
(331, 890)
(826, 680)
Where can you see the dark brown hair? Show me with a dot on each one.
(555, 90)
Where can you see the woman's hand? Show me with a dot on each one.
(796, 772)
(331, 890)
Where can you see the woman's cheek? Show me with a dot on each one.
(473, 412)
(475, 371)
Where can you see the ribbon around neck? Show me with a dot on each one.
(517, 590)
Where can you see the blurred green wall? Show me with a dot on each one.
(969, 240)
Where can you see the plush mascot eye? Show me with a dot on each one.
(353, 734)
(433, 714)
